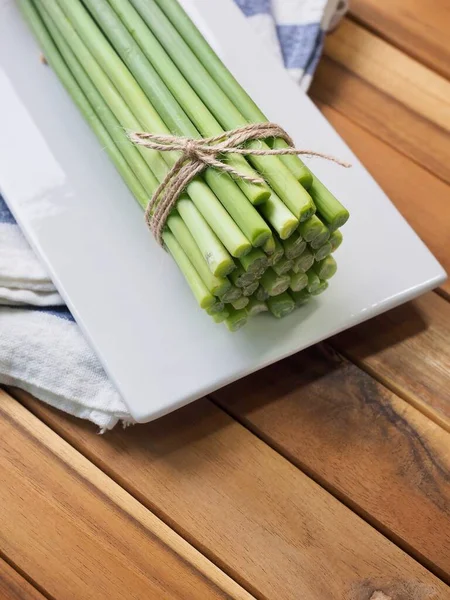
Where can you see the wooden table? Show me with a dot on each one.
(326, 476)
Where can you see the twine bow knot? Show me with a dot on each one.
(199, 154)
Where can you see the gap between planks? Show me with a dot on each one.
(428, 411)
(420, 29)
(346, 500)
(78, 511)
(362, 87)
(396, 74)
(182, 467)
(411, 345)
(16, 585)
(368, 92)
(358, 440)
(366, 105)
(443, 293)
(406, 182)
(373, 62)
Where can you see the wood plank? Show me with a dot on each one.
(250, 510)
(384, 115)
(393, 72)
(422, 198)
(408, 349)
(14, 587)
(72, 530)
(420, 29)
(373, 450)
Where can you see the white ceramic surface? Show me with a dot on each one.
(131, 302)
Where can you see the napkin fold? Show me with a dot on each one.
(42, 349)
(295, 30)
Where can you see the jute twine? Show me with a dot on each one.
(199, 154)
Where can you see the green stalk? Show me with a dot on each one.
(326, 268)
(223, 108)
(195, 109)
(255, 307)
(313, 281)
(277, 254)
(107, 128)
(236, 319)
(273, 210)
(226, 81)
(311, 228)
(216, 285)
(270, 260)
(279, 216)
(294, 246)
(216, 308)
(321, 238)
(221, 316)
(205, 200)
(322, 252)
(218, 219)
(274, 284)
(283, 266)
(284, 184)
(203, 296)
(323, 285)
(254, 262)
(335, 240)
(304, 262)
(301, 297)
(129, 152)
(299, 281)
(231, 295)
(333, 213)
(244, 214)
(251, 289)
(281, 306)
(217, 258)
(269, 247)
(240, 303)
(240, 278)
(295, 165)
(143, 116)
(261, 295)
(301, 248)
(261, 271)
(134, 163)
(59, 25)
(60, 67)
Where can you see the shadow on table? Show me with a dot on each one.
(385, 331)
(317, 388)
(295, 373)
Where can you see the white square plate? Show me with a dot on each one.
(157, 346)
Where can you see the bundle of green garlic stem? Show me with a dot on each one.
(142, 65)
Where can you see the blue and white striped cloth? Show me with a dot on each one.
(41, 347)
(295, 30)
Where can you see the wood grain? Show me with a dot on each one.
(77, 534)
(384, 115)
(393, 72)
(408, 350)
(248, 509)
(14, 587)
(422, 198)
(380, 455)
(419, 28)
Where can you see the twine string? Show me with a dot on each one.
(199, 154)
